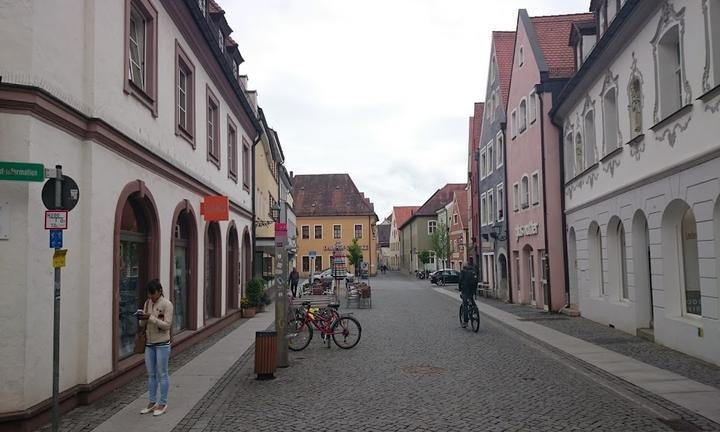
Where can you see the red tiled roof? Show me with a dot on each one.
(553, 33)
(439, 199)
(504, 42)
(402, 214)
(329, 195)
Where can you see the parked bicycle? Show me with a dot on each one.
(344, 330)
(473, 313)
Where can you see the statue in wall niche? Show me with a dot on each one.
(635, 108)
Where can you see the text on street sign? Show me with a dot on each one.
(56, 219)
(22, 171)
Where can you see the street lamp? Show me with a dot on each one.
(275, 212)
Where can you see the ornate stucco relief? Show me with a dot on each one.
(671, 133)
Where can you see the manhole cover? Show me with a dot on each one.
(423, 370)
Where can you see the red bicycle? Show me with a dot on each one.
(344, 330)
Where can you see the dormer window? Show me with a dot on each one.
(221, 40)
(235, 69)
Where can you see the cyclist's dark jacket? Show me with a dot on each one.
(468, 282)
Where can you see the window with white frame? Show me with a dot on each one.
(516, 196)
(490, 159)
(535, 188)
(500, 150)
(670, 74)
(525, 192)
(337, 231)
(522, 126)
(138, 47)
(432, 227)
(513, 123)
(500, 202)
(491, 207)
(532, 109)
(305, 231)
(610, 120)
(358, 231)
(483, 209)
(590, 156)
(483, 163)
(318, 232)
(305, 264)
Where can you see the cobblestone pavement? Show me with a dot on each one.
(416, 369)
(618, 341)
(88, 417)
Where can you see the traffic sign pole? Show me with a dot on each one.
(56, 319)
(281, 302)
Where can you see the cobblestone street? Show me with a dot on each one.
(416, 369)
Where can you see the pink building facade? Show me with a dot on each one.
(543, 61)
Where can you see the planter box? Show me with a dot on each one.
(248, 312)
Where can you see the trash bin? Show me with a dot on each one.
(265, 354)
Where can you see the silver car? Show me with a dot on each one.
(326, 275)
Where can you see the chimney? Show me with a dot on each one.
(252, 98)
(243, 79)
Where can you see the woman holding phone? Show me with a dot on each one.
(156, 321)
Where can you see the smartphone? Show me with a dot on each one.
(139, 312)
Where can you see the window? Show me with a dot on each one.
(337, 231)
(490, 159)
(536, 188)
(318, 232)
(525, 192)
(532, 111)
(318, 264)
(455, 219)
(432, 226)
(305, 232)
(513, 123)
(483, 210)
(579, 154)
(523, 116)
(184, 96)
(500, 150)
(232, 150)
(610, 120)
(590, 157)
(569, 160)
(491, 207)
(670, 76)
(213, 128)
(305, 264)
(714, 24)
(516, 197)
(141, 52)
(500, 202)
(246, 165)
(483, 163)
(691, 264)
(521, 56)
(635, 107)
(358, 231)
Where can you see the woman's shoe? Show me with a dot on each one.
(160, 410)
(149, 408)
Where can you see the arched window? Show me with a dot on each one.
(232, 263)
(183, 268)
(691, 264)
(621, 253)
(596, 258)
(213, 274)
(590, 153)
(635, 106)
(610, 120)
(579, 154)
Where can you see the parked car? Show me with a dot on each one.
(326, 275)
(448, 275)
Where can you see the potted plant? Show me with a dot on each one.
(248, 311)
(254, 292)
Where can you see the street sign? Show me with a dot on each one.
(59, 258)
(22, 171)
(69, 194)
(56, 219)
(56, 239)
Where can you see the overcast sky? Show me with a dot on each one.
(379, 89)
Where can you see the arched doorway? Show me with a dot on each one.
(233, 258)
(183, 268)
(136, 250)
(213, 271)
(574, 299)
(503, 280)
(681, 266)
(642, 270)
(529, 294)
(617, 259)
(246, 260)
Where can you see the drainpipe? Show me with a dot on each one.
(539, 91)
(252, 194)
(566, 268)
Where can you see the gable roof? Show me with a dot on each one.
(549, 37)
(402, 214)
(329, 195)
(504, 42)
(384, 235)
(439, 199)
(475, 128)
(462, 206)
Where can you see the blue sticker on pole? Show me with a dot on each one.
(56, 239)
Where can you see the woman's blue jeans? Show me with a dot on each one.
(156, 361)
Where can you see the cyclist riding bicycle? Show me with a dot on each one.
(467, 287)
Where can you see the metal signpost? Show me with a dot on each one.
(281, 303)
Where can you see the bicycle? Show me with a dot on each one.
(473, 313)
(344, 330)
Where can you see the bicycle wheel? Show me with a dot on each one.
(299, 335)
(460, 315)
(346, 332)
(475, 319)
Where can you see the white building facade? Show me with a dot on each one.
(641, 121)
(140, 102)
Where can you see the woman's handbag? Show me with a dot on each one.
(141, 336)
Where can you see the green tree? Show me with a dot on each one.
(439, 242)
(355, 255)
(424, 257)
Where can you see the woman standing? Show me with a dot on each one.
(156, 321)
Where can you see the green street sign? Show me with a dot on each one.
(21, 171)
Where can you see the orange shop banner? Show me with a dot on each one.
(215, 208)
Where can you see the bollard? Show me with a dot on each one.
(265, 354)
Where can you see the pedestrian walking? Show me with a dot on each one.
(294, 279)
(156, 322)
